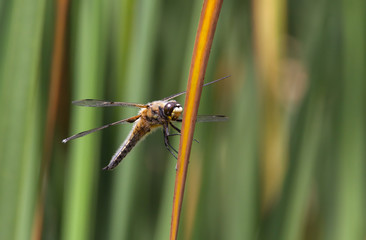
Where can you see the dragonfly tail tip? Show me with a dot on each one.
(107, 168)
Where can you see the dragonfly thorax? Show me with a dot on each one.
(160, 112)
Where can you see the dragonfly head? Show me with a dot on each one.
(173, 110)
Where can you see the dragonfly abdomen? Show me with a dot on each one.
(138, 132)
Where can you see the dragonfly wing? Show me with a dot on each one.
(204, 85)
(101, 103)
(81, 134)
(209, 118)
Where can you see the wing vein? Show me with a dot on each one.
(81, 134)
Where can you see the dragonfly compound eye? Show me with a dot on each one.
(173, 110)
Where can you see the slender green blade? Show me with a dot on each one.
(20, 130)
(82, 178)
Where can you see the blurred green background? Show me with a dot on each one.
(289, 164)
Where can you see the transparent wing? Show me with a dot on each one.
(181, 93)
(209, 118)
(101, 103)
(81, 134)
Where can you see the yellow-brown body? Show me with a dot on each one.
(149, 118)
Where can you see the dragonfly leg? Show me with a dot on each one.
(174, 134)
(178, 130)
(166, 141)
(175, 128)
(178, 134)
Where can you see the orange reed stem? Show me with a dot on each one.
(205, 33)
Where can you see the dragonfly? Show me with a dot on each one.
(153, 115)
